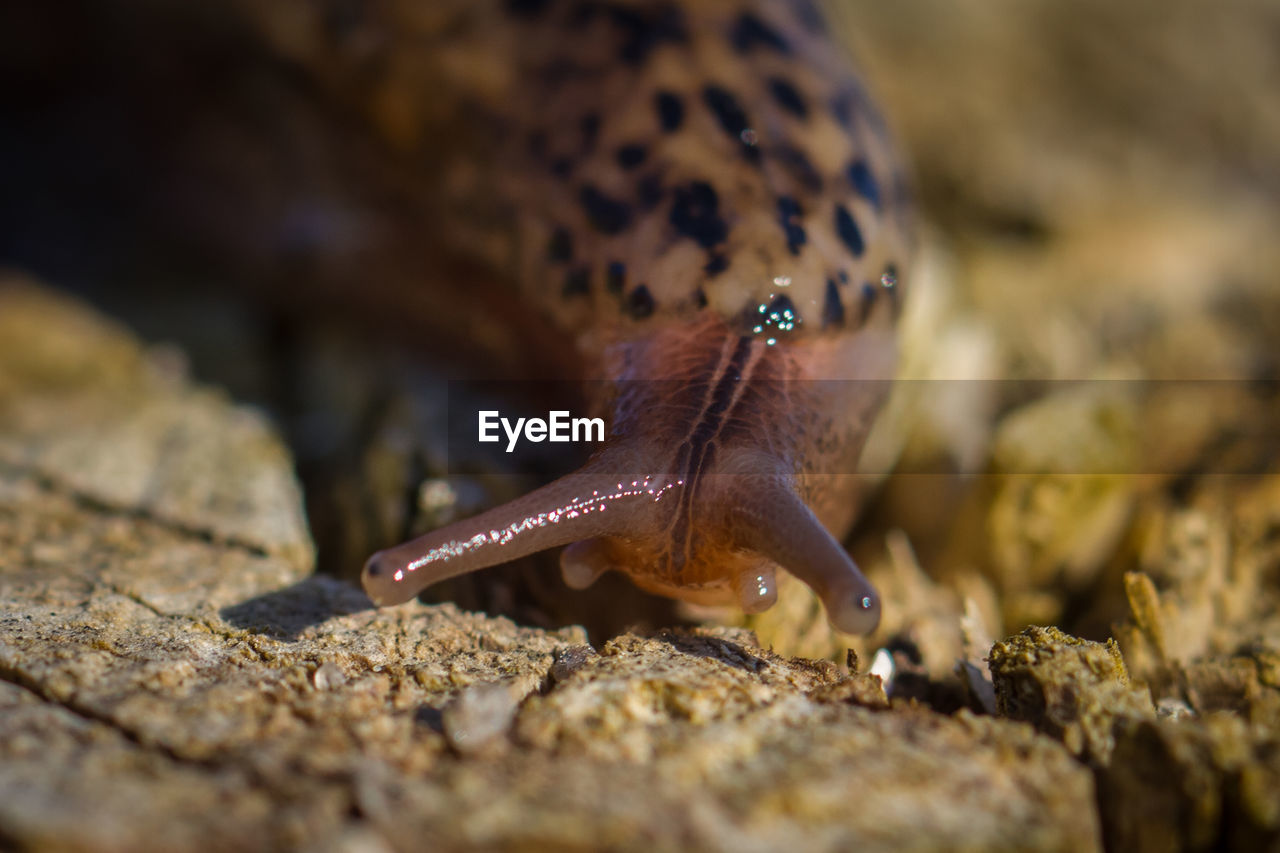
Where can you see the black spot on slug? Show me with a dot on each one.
(649, 192)
(726, 109)
(783, 310)
(696, 214)
(788, 212)
(788, 98)
(608, 215)
(645, 28)
(577, 282)
(864, 182)
(615, 277)
(732, 118)
(749, 32)
(716, 264)
(848, 231)
(640, 303)
(561, 167)
(632, 155)
(670, 109)
(832, 307)
(560, 246)
(844, 277)
(699, 298)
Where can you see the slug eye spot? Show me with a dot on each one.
(848, 231)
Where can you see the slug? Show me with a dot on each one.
(708, 206)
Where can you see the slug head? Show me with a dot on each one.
(718, 538)
(696, 495)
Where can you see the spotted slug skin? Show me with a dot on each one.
(705, 201)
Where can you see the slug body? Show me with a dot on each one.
(704, 200)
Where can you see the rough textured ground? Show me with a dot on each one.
(1088, 442)
(176, 684)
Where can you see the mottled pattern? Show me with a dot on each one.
(712, 147)
(730, 151)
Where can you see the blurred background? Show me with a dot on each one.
(1099, 196)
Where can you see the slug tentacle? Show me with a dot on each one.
(773, 521)
(578, 506)
(582, 563)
